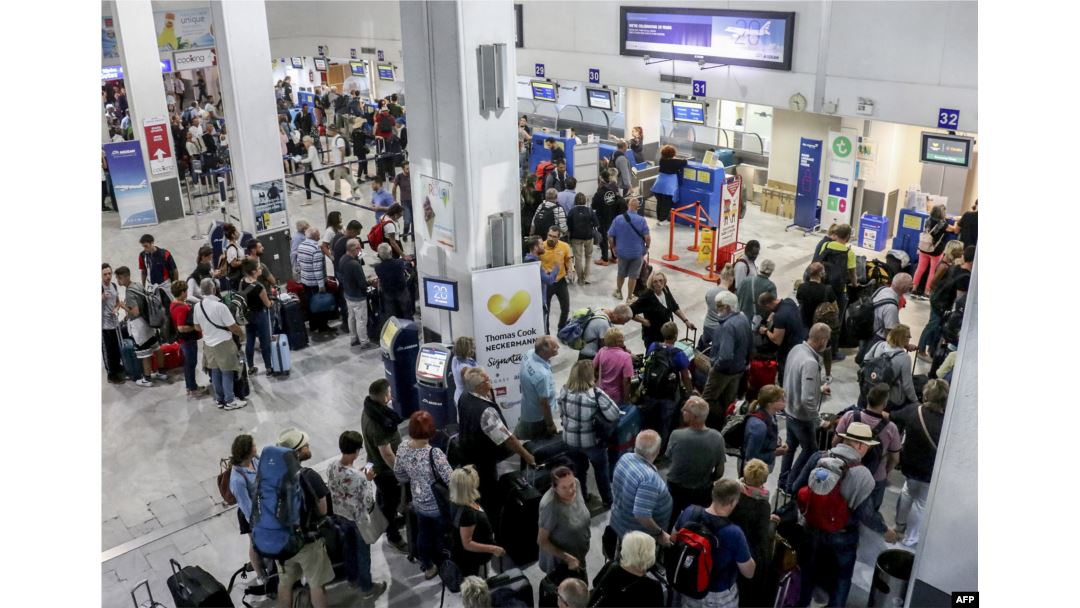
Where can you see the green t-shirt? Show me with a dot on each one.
(374, 436)
(834, 245)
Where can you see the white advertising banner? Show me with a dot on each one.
(508, 317)
(268, 206)
(841, 177)
(437, 209)
(728, 228)
(187, 28)
(192, 60)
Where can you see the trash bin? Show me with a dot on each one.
(891, 575)
(873, 231)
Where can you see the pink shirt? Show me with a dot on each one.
(889, 437)
(614, 364)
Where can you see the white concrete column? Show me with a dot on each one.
(449, 138)
(244, 69)
(139, 58)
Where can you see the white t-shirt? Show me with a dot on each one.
(328, 235)
(390, 229)
(337, 151)
(196, 131)
(212, 309)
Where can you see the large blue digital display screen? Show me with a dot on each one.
(688, 111)
(543, 91)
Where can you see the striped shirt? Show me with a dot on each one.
(638, 491)
(310, 258)
(579, 409)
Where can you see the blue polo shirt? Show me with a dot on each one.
(730, 549)
(381, 201)
(537, 382)
(638, 491)
(627, 242)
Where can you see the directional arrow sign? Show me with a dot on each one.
(159, 154)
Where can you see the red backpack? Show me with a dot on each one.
(542, 169)
(820, 501)
(375, 235)
(689, 560)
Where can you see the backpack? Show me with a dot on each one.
(828, 313)
(375, 236)
(223, 479)
(580, 223)
(658, 376)
(689, 561)
(944, 295)
(238, 306)
(275, 508)
(820, 501)
(386, 123)
(860, 315)
(340, 102)
(542, 169)
(878, 370)
(874, 455)
(348, 146)
(544, 219)
(573, 333)
(154, 310)
(734, 432)
(835, 262)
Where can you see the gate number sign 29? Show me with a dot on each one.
(948, 119)
(539, 70)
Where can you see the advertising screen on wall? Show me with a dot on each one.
(358, 68)
(951, 150)
(544, 91)
(297, 62)
(688, 111)
(386, 72)
(761, 39)
(601, 99)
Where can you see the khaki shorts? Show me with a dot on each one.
(312, 563)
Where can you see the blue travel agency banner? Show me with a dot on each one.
(133, 197)
(806, 188)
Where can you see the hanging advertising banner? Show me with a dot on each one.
(184, 29)
(109, 48)
(837, 207)
(728, 228)
(133, 197)
(437, 211)
(808, 181)
(507, 319)
(193, 60)
(866, 159)
(157, 145)
(268, 206)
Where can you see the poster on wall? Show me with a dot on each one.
(109, 48)
(727, 231)
(866, 159)
(184, 29)
(507, 320)
(268, 206)
(156, 132)
(841, 177)
(133, 197)
(193, 60)
(807, 183)
(437, 211)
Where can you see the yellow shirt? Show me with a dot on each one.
(560, 254)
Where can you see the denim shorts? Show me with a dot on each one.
(630, 267)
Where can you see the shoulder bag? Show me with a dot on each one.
(922, 423)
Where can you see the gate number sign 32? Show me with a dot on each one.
(948, 119)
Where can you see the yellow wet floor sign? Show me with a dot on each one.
(704, 254)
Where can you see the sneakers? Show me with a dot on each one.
(235, 404)
(616, 294)
(354, 343)
(431, 573)
(159, 376)
(368, 345)
(143, 382)
(603, 263)
(375, 591)
(252, 370)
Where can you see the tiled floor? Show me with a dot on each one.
(161, 450)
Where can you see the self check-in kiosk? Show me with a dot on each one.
(400, 341)
(435, 383)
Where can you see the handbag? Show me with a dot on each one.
(602, 427)
(372, 524)
(322, 302)
(926, 431)
(438, 487)
(225, 476)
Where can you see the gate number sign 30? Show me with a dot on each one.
(948, 119)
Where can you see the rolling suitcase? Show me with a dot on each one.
(132, 366)
(191, 586)
(519, 523)
(280, 357)
(626, 431)
(508, 586)
(825, 434)
(172, 356)
(292, 323)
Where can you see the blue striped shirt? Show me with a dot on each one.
(312, 263)
(638, 491)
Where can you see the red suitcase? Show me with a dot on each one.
(762, 372)
(173, 356)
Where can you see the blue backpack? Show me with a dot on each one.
(275, 510)
(573, 333)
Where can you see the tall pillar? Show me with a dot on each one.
(244, 67)
(451, 140)
(139, 58)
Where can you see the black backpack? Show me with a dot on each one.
(944, 296)
(660, 378)
(544, 219)
(340, 103)
(348, 146)
(860, 315)
(581, 223)
(878, 370)
(835, 262)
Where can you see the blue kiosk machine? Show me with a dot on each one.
(400, 341)
(435, 383)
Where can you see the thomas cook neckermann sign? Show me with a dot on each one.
(191, 60)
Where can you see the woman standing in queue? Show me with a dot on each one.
(636, 143)
(244, 460)
(259, 307)
(761, 434)
(930, 250)
(474, 540)
(655, 307)
(666, 188)
(417, 462)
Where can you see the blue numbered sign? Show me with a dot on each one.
(699, 88)
(380, 59)
(948, 119)
(539, 73)
(594, 76)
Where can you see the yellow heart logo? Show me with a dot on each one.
(509, 311)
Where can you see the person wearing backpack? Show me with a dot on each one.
(917, 455)
(761, 435)
(883, 457)
(804, 389)
(339, 151)
(311, 562)
(833, 491)
(752, 515)
(136, 304)
(890, 362)
(729, 356)
(945, 293)
(218, 326)
(665, 384)
(549, 214)
(243, 470)
(746, 265)
(607, 204)
(931, 247)
(697, 457)
(580, 403)
(729, 553)
(583, 225)
(886, 309)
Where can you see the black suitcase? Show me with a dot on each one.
(519, 523)
(509, 587)
(553, 452)
(292, 324)
(193, 587)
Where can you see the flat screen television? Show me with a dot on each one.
(601, 99)
(760, 39)
(544, 91)
(692, 112)
(320, 64)
(386, 72)
(297, 62)
(941, 149)
(358, 68)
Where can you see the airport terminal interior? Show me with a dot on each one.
(765, 166)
